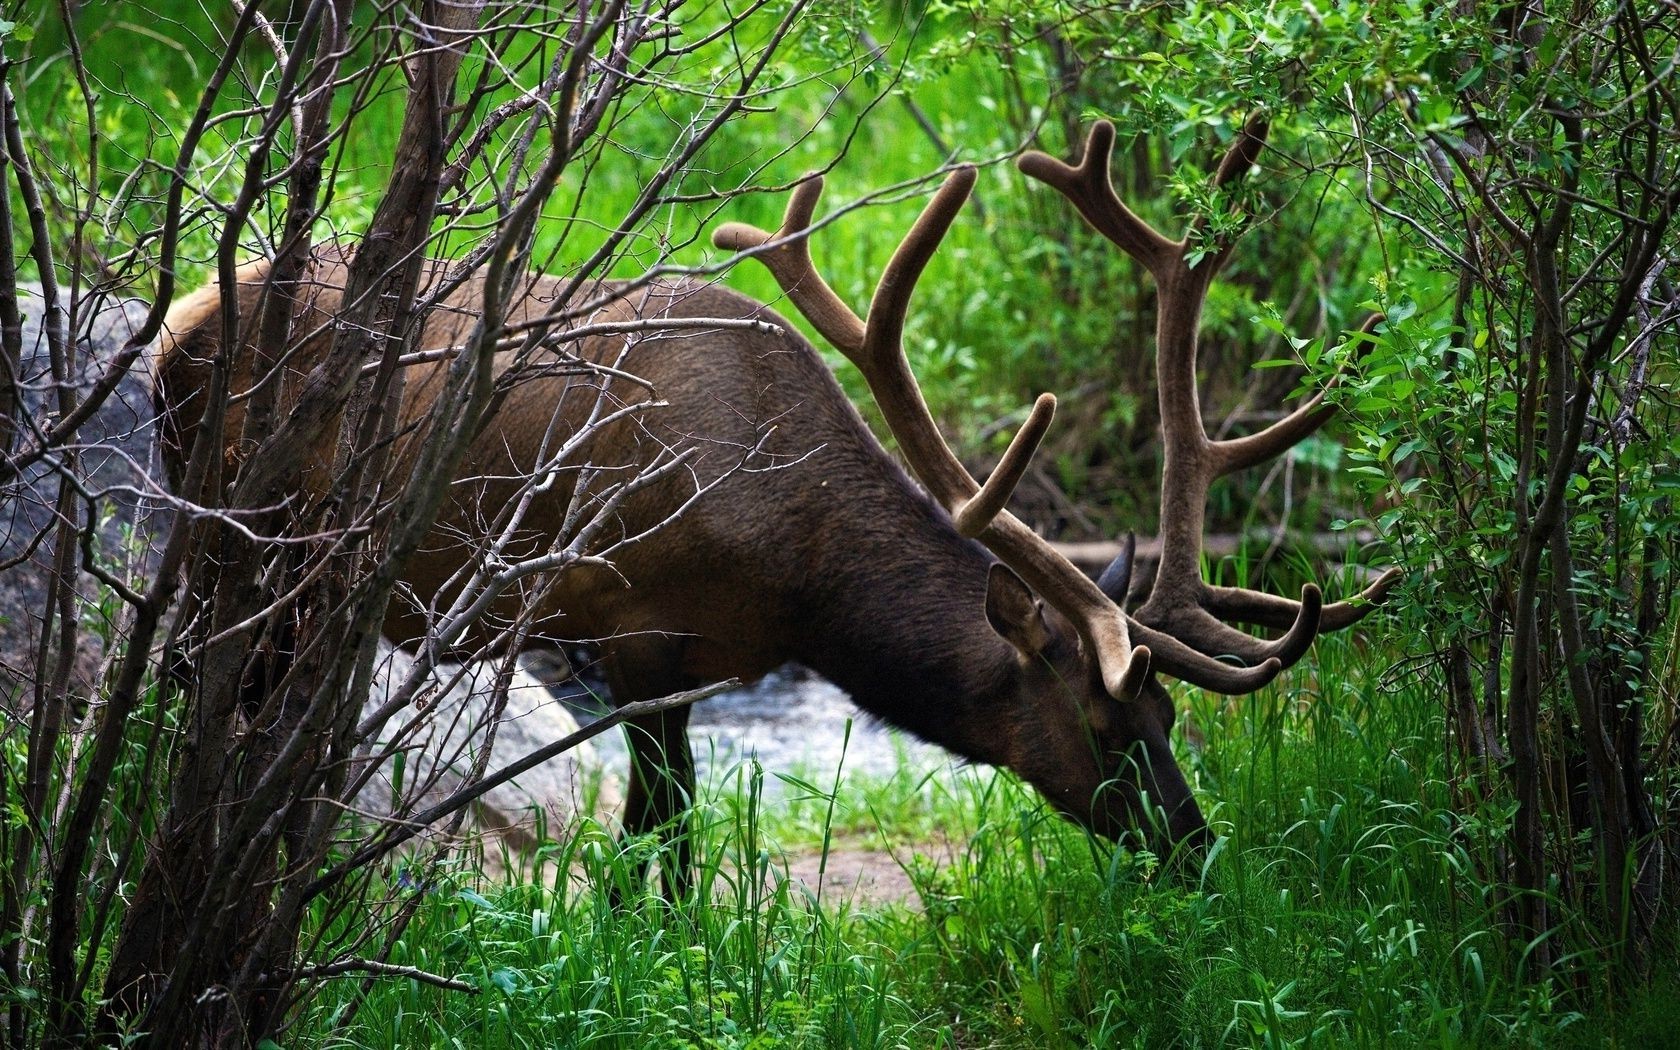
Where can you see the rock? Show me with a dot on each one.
(114, 449)
(440, 747)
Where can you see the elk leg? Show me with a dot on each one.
(661, 762)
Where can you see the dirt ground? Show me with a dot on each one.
(864, 877)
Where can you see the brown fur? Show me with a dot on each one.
(811, 546)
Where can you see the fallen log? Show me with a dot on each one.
(1327, 552)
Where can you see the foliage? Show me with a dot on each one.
(1521, 422)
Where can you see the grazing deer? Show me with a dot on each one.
(789, 534)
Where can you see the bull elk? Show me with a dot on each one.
(945, 616)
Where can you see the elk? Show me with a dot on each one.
(790, 534)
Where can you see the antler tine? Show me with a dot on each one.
(1349, 612)
(1194, 623)
(978, 512)
(1243, 152)
(1195, 666)
(1173, 657)
(891, 301)
(1087, 183)
(883, 364)
(876, 347)
(787, 255)
(1236, 454)
(1269, 610)
(1232, 170)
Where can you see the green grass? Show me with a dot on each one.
(1345, 906)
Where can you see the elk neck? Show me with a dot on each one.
(895, 615)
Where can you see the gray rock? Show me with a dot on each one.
(441, 738)
(114, 456)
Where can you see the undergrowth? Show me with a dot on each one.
(1344, 905)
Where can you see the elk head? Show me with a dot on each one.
(1099, 732)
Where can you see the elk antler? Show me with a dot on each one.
(875, 346)
(1181, 605)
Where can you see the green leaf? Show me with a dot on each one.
(1470, 79)
(1035, 1004)
(1318, 451)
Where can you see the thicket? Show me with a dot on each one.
(1505, 177)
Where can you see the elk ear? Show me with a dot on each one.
(1116, 580)
(1015, 612)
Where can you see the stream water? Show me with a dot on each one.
(796, 721)
(792, 721)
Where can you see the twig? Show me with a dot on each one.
(382, 969)
(412, 826)
(1621, 428)
(878, 52)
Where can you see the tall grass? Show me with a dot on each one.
(1346, 904)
